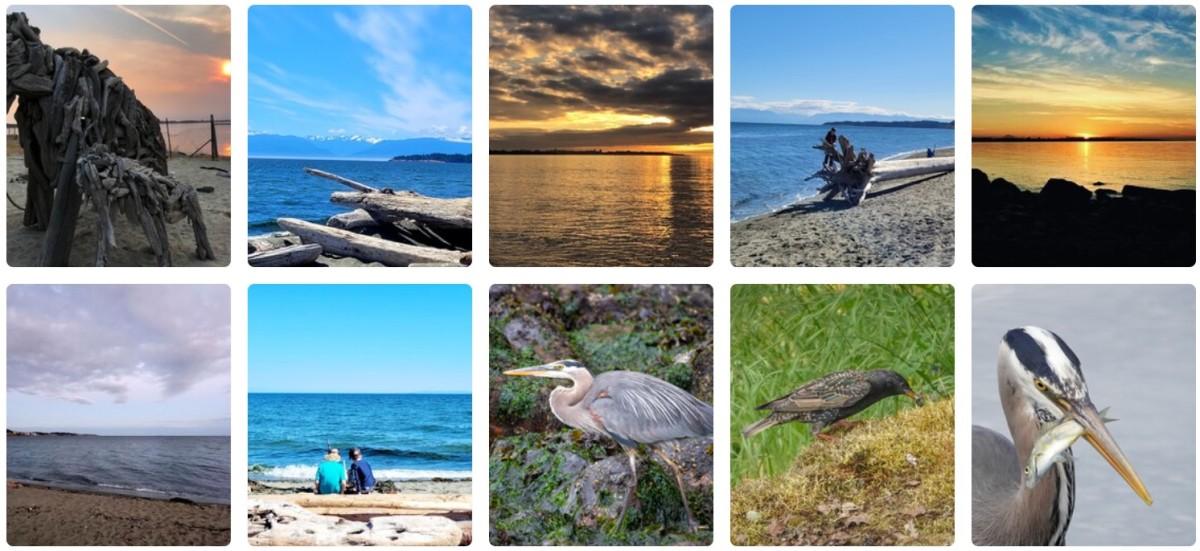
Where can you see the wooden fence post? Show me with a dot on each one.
(212, 127)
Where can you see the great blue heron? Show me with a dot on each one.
(629, 407)
(1040, 385)
(831, 398)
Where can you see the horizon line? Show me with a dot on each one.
(421, 392)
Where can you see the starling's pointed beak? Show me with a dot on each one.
(1099, 437)
(915, 397)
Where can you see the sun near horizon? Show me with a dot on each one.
(581, 78)
(1089, 72)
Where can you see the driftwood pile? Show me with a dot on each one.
(855, 173)
(83, 131)
(393, 228)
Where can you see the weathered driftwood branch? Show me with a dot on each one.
(339, 179)
(452, 214)
(294, 255)
(368, 248)
(72, 111)
(856, 172)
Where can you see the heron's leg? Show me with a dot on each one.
(687, 508)
(629, 496)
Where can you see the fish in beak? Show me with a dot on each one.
(1097, 434)
(1049, 447)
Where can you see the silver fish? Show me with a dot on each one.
(1049, 447)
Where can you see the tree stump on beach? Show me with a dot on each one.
(852, 178)
(83, 131)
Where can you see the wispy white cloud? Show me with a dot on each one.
(156, 26)
(811, 107)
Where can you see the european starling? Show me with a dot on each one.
(832, 398)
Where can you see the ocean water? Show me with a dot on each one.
(1137, 347)
(403, 436)
(192, 467)
(280, 188)
(1164, 165)
(769, 162)
(601, 210)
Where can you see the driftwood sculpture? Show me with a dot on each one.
(854, 174)
(393, 228)
(86, 137)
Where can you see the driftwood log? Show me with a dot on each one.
(368, 248)
(83, 130)
(293, 255)
(855, 173)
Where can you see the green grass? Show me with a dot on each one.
(786, 335)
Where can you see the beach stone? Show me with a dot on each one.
(1065, 194)
(1163, 197)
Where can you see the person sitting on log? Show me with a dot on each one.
(331, 474)
(362, 479)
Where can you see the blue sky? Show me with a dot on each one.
(878, 60)
(360, 338)
(388, 72)
(119, 359)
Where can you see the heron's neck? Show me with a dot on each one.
(1035, 514)
(571, 395)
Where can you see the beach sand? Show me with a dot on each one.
(907, 222)
(25, 244)
(47, 516)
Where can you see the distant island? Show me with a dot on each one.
(895, 124)
(578, 152)
(36, 433)
(434, 158)
(987, 139)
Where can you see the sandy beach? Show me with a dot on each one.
(47, 516)
(908, 222)
(24, 244)
(417, 512)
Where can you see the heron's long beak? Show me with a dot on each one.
(1098, 436)
(533, 371)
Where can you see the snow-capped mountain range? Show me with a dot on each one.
(347, 147)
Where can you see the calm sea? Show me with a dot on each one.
(601, 210)
(280, 188)
(1165, 165)
(403, 436)
(192, 467)
(769, 162)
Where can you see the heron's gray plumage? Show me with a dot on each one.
(635, 407)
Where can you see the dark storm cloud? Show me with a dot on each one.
(84, 343)
(649, 61)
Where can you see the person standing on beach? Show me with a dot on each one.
(331, 474)
(362, 479)
(830, 138)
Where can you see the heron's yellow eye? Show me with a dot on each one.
(1039, 384)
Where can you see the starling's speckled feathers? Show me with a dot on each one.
(831, 398)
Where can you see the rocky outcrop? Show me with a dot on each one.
(1066, 224)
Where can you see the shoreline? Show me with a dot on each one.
(39, 515)
(147, 493)
(905, 222)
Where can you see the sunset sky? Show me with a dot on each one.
(174, 57)
(606, 77)
(1084, 71)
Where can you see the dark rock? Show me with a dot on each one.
(536, 335)
(1064, 194)
(1158, 197)
(1097, 184)
(206, 189)
(598, 493)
